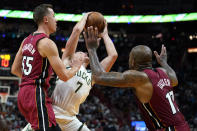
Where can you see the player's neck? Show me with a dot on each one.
(43, 29)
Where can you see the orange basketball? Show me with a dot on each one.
(96, 19)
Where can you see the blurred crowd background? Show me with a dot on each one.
(109, 108)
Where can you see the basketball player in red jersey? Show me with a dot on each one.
(153, 87)
(34, 61)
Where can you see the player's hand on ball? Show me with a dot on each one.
(91, 38)
(105, 31)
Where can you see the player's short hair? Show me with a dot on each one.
(41, 11)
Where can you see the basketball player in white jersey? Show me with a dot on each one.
(67, 96)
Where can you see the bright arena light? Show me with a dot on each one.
(192, 50)
(110, 19)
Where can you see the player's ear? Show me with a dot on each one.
(45, 19)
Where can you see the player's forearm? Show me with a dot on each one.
(167, 67)
(71, 44)
(111, 50)
(113, 79)
(94, 62)
(171, 73)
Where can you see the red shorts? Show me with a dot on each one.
(36, 107)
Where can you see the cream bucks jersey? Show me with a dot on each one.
(68, 96)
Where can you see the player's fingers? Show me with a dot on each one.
(85, 36)
(165, 51)
(96, 32)
(156, 54)
(89, 35)
(91, 32)
(162, 50)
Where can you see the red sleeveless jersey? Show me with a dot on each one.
(35, 67)
(162, 110)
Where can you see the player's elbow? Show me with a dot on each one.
(115, 56)
(174, 82)
(13, 70)
(96, 78)
(16, 71)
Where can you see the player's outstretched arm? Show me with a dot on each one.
(72, 42)
(127, 79)
(162, 60)
(47, 48)
(17, 64)
(108, 61)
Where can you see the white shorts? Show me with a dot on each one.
(68, 122)
(74, 125)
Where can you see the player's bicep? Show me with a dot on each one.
(17, 64)
(49, 49)
(116, 79)
(135, 78)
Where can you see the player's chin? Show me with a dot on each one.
(55, 29)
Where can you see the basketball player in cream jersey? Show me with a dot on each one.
(68, 96)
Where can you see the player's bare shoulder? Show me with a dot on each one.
(45, 42)
(46, 45)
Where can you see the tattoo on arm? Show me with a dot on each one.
(171, 73)
(94, 62)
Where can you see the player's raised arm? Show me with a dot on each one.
(17, 64)
(72, 42)
(108, 62)
(47, 48)
(162, 60)
(129, 78)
